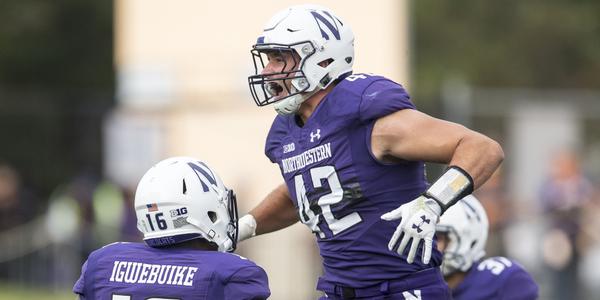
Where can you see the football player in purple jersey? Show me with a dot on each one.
(461, 235)
(351, 149)
(189, 221)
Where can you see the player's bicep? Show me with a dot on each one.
(248, 283)
(412, 135)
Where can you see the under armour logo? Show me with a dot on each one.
(418, 227)
(315, 135)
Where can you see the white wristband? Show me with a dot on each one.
(246, 227)
(454, 184)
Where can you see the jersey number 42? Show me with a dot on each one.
(314, 217)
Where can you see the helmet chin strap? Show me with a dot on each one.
(290, 105)
(224, 245)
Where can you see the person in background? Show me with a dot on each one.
(19, 207)
(461, 236)
(565, 196)
(351, 149)
(189, 221)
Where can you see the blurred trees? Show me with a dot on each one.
(534, 44)
(56, 82)
(57, 77)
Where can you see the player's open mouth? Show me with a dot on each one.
(274, 89)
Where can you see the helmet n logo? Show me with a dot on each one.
(197, 169)
(329, 22)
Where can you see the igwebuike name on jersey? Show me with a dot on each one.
(137, 272)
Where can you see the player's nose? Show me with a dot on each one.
(268, 69)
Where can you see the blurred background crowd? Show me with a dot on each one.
(92, 93)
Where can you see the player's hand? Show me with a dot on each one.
(246, 227)
(418, 220)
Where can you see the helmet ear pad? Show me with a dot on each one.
(466, 226)
(180, 199)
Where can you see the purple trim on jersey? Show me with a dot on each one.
(496, 278)
(171, 240)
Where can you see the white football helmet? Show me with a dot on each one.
(180, 199)
(466, 225)
(316, 35)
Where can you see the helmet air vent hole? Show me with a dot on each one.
(212, 216)
(184, 187)
(326, 62)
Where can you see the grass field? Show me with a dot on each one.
(13, 292)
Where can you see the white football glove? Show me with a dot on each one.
(246, 227)
(418, 220)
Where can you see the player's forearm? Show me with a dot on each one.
(479, 156)
(275, 212)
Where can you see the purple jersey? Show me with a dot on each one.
(132, 271)
(496, 278)
(340, 189)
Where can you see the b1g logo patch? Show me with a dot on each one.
(289, 148)
(179, 212)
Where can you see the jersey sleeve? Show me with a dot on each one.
(248, 283)
(80, 284)
(273, 143)
(381, 98)
(520, 286)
